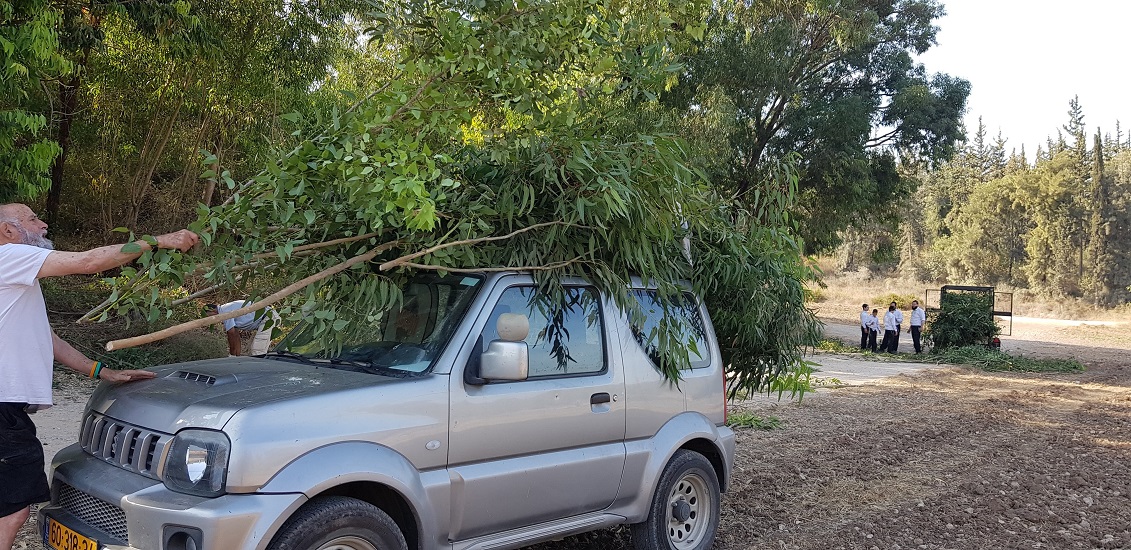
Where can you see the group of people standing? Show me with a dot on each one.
(892, 326)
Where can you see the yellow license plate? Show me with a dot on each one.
(60, 537)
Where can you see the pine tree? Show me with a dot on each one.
(1076, 129)
(1100, 282)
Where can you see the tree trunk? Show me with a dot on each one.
(68, 104)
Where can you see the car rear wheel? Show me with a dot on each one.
(684, 514)
(339, 523)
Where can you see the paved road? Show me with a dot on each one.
(854, 372)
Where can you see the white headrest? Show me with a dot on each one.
(513, 327)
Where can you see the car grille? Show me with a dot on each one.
(124, 445)
(94, 512)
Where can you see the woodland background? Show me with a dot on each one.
(135, 112)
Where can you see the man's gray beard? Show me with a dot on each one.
(35, 240)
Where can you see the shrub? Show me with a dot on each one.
(902, 301)
(965, 318)
(814, 295)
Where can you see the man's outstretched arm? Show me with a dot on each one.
(106, 257)
(80, 363)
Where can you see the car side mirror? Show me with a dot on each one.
(505, 360)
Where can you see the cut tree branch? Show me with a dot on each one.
(243, 187)
(406, 259)
(204, 268)
(547, 267)
(269, 300)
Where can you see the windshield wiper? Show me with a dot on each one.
(285, 355)
(370, 368)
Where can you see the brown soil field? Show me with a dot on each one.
(951, 458)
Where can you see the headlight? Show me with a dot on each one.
(197, 462)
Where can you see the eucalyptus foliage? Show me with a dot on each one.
(963, 319)
(517, 136)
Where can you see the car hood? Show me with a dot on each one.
(206, 394)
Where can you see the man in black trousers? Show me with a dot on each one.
(864, 327)
(918, 317)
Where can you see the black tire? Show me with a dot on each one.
(684, 514)
(339, 523)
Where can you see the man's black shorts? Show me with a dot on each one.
(21, 461)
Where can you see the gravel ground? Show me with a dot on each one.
(940, 459)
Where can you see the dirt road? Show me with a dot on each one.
(938, 458)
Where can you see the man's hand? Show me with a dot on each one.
(117, 376)
(181, 240)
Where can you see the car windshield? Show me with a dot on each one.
(405, 339)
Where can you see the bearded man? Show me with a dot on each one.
(28, 345)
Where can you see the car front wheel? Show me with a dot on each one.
(339, 523)
(684, 514)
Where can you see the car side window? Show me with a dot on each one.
(565, 339)
(692, 333)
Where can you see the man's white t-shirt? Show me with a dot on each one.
(247, 321)
(26, 349)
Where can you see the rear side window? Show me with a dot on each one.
(563, 340)
(691, 332)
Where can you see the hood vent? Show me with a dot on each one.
(195, 377)
(210, 380)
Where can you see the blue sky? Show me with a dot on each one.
(1026, 59)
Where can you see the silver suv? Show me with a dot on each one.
(471, 416)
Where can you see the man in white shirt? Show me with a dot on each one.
(256, 320)
(28, 345)
(889, 330)
(873, 329)
(898, 326)
(864, 326)
(918, 317)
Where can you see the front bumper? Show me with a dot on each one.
(123, 510)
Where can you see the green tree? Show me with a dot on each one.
(149, 102)
(29, 56)
(1101, 283)
(1050, 196)
(81, 37)
(523, 137)
(833, 81)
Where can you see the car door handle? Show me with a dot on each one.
(598, 398)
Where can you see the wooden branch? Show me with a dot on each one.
(306, 247)
(273, 298)
(197, 294)
(405, 259)
(90, 315)
(547, 267)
